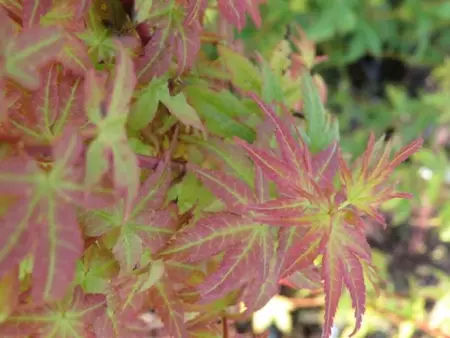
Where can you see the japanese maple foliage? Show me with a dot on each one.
(124, 187)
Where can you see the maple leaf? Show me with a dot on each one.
(309, 278)
(45, 209)
(70, 317)
(316, 217)
(242, 238)
(366, 187)
(235, 10)
(195, 9)
(172, 34)
(306, 197)
(109, 115)
(130, 296)
(26, 52)
(168, 306)
(145, 227)
(122, 316)
(43, 114)
(66, 14)
(346, 248)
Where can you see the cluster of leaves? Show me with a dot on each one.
(123, 191)
(385, 50)
(347, 30)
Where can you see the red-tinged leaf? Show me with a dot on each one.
(10, 299)
(301, 248)
(122, 318)
(46, 99)
(123, 86)
(274, 168)
(233, 271)
(74, 55)
(322, 219)
(111, 148)
(187, 45)
(157, 55)
(123, 325)
(33, 10)
(125, 308)
(169, 308)
(28, 51)
(143, 228)
(195, 9)
(354, 280)
(229, 157)
(405, 152)
(70, 317)
(255, 298)
(325, 165)
(283, 211)
(148, 231)
(128, 250)
(309, 278)
(346, 249)
(123, 298)
(208, 237)
(366, 187)
(296, 158)
(171, 35)
(15, 238)
(46, 212)
(244, 242)
(294, 151)
(235, 10)
(42, 116)
(59, 247)
(232, 191)
(262, 187)
(344, 171)
(332, 272)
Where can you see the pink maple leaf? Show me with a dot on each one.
(235, 11)
(319, 218)
(26, 52)
(43, 219)
(172, 33)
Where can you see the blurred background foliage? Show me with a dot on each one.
(387, 70)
